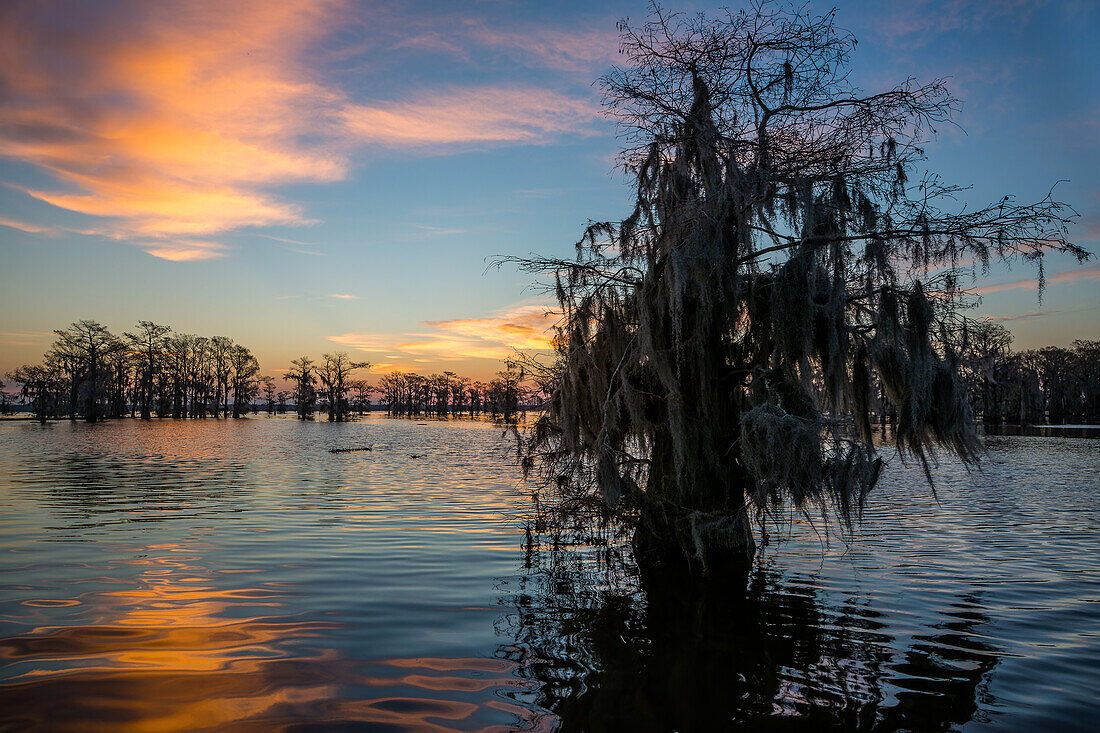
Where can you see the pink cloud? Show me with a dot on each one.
(26, 338)
(586, 48)
(471, 116)
(585, 51)
(1021, 316)
(24, 227)
(1057, 278)
(185, 250)
(1091, 227)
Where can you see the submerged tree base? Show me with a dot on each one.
(694, 544)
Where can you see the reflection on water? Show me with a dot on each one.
(189, 576)
(235, 575)
(978, 610)
(707, 657)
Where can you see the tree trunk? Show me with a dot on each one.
(93, 379)
(693, 538)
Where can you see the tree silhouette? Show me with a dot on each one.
(983, 362)
(267, 387)
(333, 373)
(305, 386)
(362, 390)
(44, 386)
(83, 351)
(719, 345)
(245, 369)
(147, 344)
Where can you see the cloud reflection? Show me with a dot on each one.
(176, 650)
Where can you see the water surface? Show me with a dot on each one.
(190, 575)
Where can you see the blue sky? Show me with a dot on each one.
(233, 168)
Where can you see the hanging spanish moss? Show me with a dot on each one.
(721, 347)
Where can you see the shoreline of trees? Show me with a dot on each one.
(92, 374)
(1052, 385)
(154, 371)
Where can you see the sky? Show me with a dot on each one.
(324, 175)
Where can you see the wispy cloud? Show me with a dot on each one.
(582, 51)
(299, 250)
(1090, 225)
(1057, 278)
(917, 21)
(284, 240)
(343, 296)
(185, 250)
(24, 227)
(1021, 316)
(497, 337)
(471, 117)
(286, 244)
(575, 49)
(523, 327)
(25, 338)
(438, 231)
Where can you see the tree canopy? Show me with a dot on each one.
(786, 254)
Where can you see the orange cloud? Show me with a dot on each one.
(27, 338)
(157, 207)
(495, 338)
(423, 347)
(524, 327)
(168, 119)
(177, 120)
(1057, 278)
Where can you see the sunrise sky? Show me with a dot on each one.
(311, 176)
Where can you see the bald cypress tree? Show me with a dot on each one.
(304, 376)
(718, 346)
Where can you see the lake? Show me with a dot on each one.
(202, 575)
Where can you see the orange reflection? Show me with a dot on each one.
(168, 654)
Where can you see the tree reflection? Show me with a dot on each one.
(612, 649)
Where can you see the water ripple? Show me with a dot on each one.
(202, 575)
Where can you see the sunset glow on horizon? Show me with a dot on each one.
(328, 175)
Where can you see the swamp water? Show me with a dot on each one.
(236, 575)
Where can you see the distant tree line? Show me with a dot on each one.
(92, 374)
(408, 393)
(1052, 385)
(328, 386)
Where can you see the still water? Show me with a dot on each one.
(236, 575)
